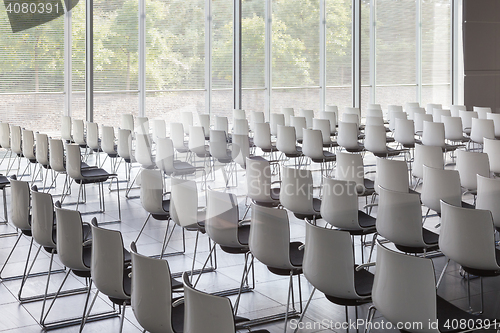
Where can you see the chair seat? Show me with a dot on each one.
(4, 181)
(366, 221)
(431, 240)
(327, 157)
(296, 259)
(316, 214)
(93, 175)
(166, 208)
(357, 149)
(228, 158)
(363, 283)
(183, 168)
(389, 139)
(389, 152)
(243, 236)
(367, 189)
(177, 316)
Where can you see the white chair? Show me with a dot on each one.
(28, 147)
(324, 126)
(392, 175)
(492, 149)
(347, 137)
(5, 141)
(93, 141)
(143, 153)
(240, 149)
(419, 119)
(221, 153)
(256, 117)
(65, 129)
(239, 114)
(109, 147)
(297, 193)
(42, 155)
(309, 115)
(125, 151)
(333, 108)
(351, 118)
(276, 120)
(166, 162)
(455, 110)
(453, 130)
(187, 121)
(204, 120)
(127, 122)
(399, 220)
(350, 167)
(375, 142)
(488, 194)
(496, 121)
(79, 136)
(16, 146)
(286, 143)
(177, 136)
(262, 139)
(312, 147)
(467, 120)
(197, 144)
(142, 125)
(482, 112)
(332, 117)
(159, 129)
(392, 119)
(404, 291)
(299, 123)
(259, 182)
(288, 113)
(433, 134)
(470, 164)
(151, 297)
(431, 156)
(431, 107)
(221, 124)
(404, 133)
(467, 237)
(409, 105)
(480, 129)
(437, 115)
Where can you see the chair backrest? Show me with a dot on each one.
(65, 128)
(492, 149)
(431, 156)
(324, 126)
(395, 108)
(70, 238)
(108, 140)
(28, 145)
(184, 202)
(309, 115)
(239, 114)
(332, 117)
(350, 167)
(467, 236)
(204, 312)
(56, 157)
(142, 125)
(455, 110)
(262, 135)
(488, 196)
(437, 115)
(375, 139)
(107, 261)
(165, 155)
(152, 191)
(496, 121)
(339, 206)
(204, 119)
(377, 113)
(143, 153)
(187, 121)
(196, 141)
(221, 124)
(374, 120)
(256, 117)
(392, 119)
(374, 106)
(218, 144)
(92, 135)
(42, 221)
(482, 111)
(431, 107)
(276, 120)
(433, 134)
(419, 119)
(351, 118)
(409, 105)
(259, 179)
(240, 127)
(20, 204)
(288, 113)
(79, 132)
(313, 143)
(404, 289)
(177, 135)
(151, 292)
(470, 164)
(452, 128)
(159, 129)
(392, 175)
(127, 122)
(240, 149)
(333, 108)
(286, 140)
(296, 192)
(16, 139)
(348, 135)
(269, 239)
(404, 131)
(440, 184)
(299, 123)
(467, 119)
(352, 110)
(329, 261)
(124, 144)
(73, 161)
(42, 149)
(482, 128)
(399, 218)
(221, 222)
(5, 135)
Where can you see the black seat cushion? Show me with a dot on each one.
(430, 238)
(166, 208)
(363, 282)
(327, 157)
(317, 209)
(296, 259)
(244, 234)
(357, 149)
(93, 175)
(177, 316)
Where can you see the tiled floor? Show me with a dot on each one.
(269, 296)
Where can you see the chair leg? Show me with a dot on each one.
(305, 309)
(144, 225)
(42, 322)
(243, 278)
(27, 273)
(369, 318)
(10, 254)
(194, 256)
(84, 319)
(290, 284)
(123, 316)
(47, 285)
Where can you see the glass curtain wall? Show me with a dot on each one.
(32, 74)
(175, 58)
